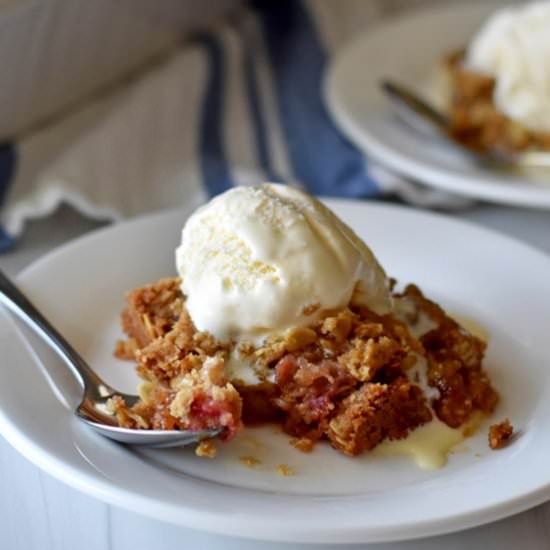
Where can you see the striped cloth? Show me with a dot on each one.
(235, 106)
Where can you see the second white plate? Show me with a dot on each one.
(408, 50)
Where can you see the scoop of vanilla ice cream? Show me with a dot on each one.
(514, 48)
(257, 260)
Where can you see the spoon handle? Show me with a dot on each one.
(14, 300)
(415, 111)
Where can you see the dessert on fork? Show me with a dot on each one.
(282, 314)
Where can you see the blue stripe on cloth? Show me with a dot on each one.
(215, 170)
(259, 124)
(322, 159)
(8, 163)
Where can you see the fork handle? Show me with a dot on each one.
(14, 300)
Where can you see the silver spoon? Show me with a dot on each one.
(93, 408)
(424, 118)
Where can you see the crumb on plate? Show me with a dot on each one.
(249, 461)
(285, 470)
(500, 434)
(206, 449)
(302, 444)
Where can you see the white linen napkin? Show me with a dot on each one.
(236, 106)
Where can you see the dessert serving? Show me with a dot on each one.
(497, 90)
(282, 314)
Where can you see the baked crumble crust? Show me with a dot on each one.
(151, 312)
(346, 379)
(376, 411)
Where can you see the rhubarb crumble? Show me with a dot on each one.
(498, 87)
(351, 379)
(475, 119)
(281, 314)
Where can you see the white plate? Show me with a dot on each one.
(408, 49)
(501, 283)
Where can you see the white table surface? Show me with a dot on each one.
(38, 512)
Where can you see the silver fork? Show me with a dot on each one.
(93, 409)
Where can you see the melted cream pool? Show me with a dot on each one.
(472, 326)
(429, 446)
